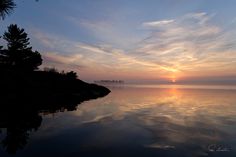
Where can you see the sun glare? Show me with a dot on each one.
(173, 79)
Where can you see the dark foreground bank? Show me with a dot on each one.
(42, 90)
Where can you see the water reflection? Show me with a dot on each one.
(21, 115)
(185, 121)
(136, 122)
(17, 127)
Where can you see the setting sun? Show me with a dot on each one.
(173, 80)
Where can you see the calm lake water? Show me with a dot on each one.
(184, 121)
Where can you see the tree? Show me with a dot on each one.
(71, 74)
(16, 38)
(18, 55)
(6, 7)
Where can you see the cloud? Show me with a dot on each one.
(189, 44)
(186, 46)
(107, 30)
(157, 23)
(101, 60)
(52, 58)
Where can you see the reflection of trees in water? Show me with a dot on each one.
(18, 128)
(21, 110)
(20, 121)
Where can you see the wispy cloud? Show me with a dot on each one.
(185, 46)
(101, 60)
(108, 31)
(189, 44)
(157, 23)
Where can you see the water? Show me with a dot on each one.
(136, 121)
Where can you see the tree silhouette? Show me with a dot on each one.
(18, 55)
(6, 7)
(71, 74)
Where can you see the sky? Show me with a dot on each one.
(178, 41)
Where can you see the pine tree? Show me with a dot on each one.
(19, 55)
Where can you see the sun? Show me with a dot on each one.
(173, 80)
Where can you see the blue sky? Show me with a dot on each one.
(172, 40)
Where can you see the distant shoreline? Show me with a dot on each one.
(174, 86)
(110, 81)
